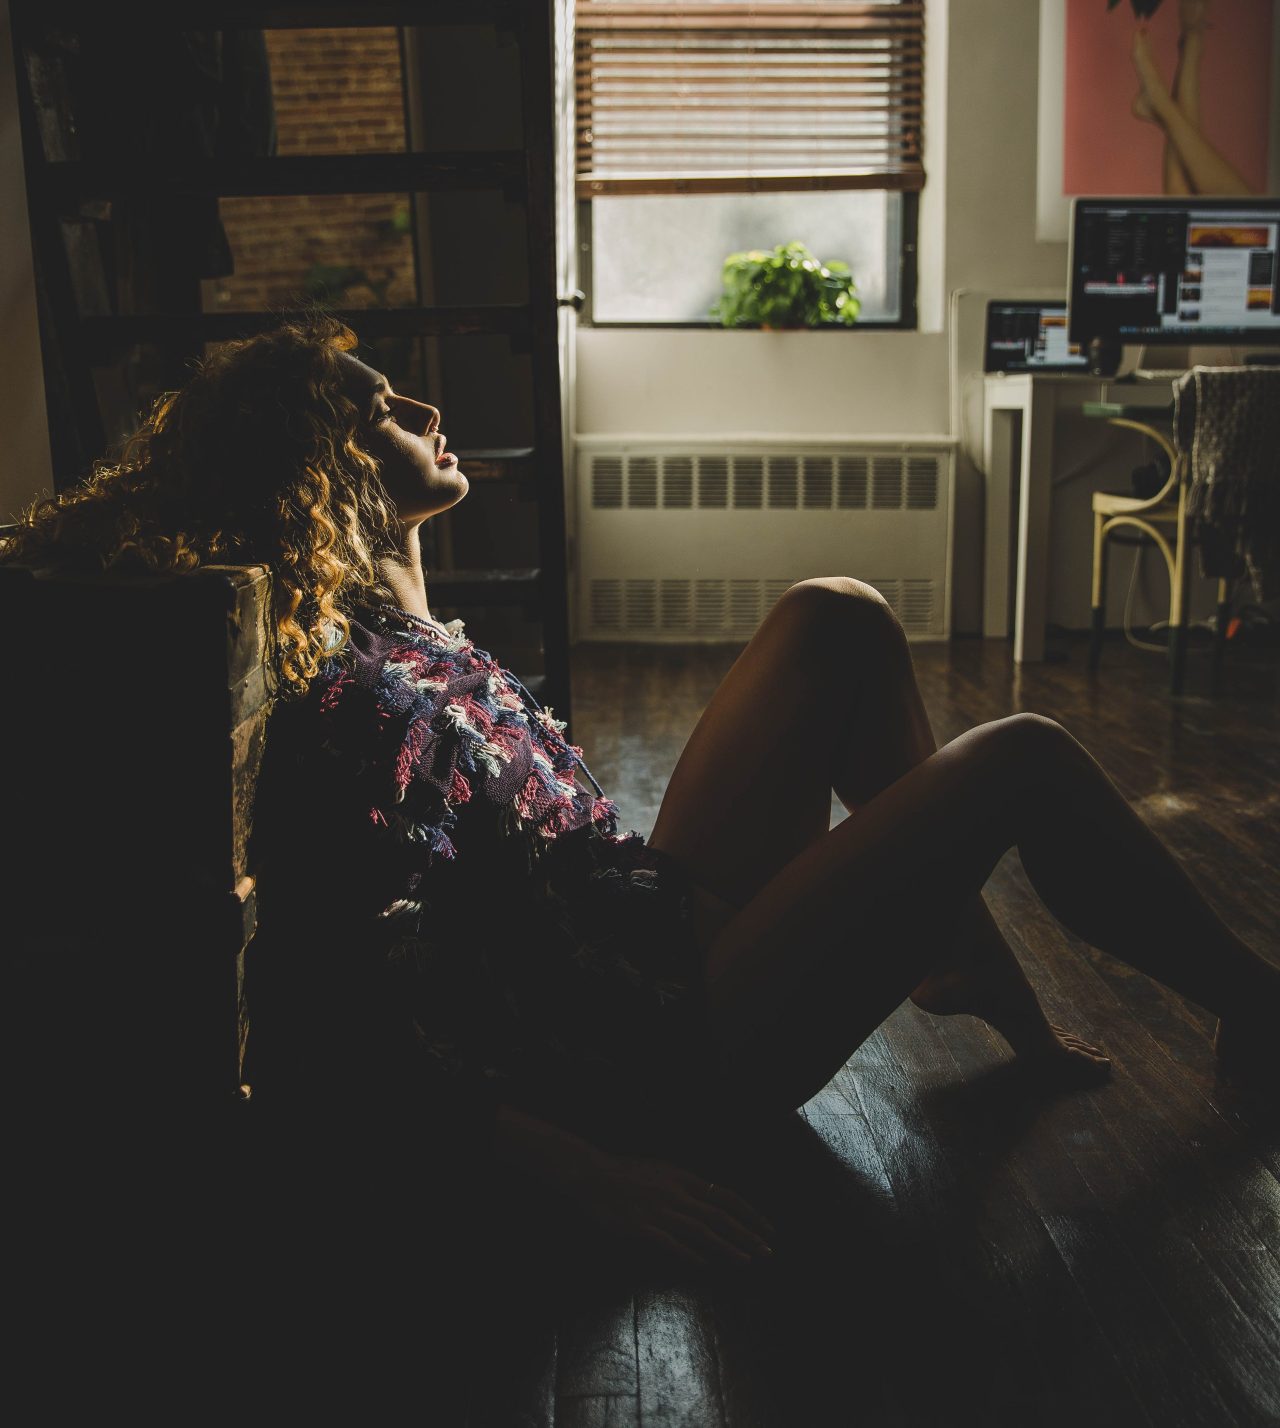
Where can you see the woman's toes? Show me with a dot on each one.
(1077, 1043)
(1070, 1060)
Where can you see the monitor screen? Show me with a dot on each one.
(1180, 270)
(1030, 337)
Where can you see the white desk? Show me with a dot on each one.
(1019, 415)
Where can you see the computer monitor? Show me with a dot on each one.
(1187, 271)
(1030, 337)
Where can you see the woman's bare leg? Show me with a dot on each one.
(1192, 22)
(751, 794)
(1186, 84)
(818, 958)
(977, 972)
(1205, 170)
(1186, 88)
(829, 680)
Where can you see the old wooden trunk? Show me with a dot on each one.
(132, 726)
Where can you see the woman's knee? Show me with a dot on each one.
(1034, 743)
(842, 613)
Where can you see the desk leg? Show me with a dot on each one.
(1001, 441)
(1031, 613)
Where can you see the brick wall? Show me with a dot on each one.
(336, 91)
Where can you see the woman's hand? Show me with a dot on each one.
(634, 1198)
(655, 1203)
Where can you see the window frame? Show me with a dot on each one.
(908, 249)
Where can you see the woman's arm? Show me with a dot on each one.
(634, 1197)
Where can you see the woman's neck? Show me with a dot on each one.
(403, 575)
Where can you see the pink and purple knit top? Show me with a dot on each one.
(449, 877)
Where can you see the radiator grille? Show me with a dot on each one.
(784, 479)
(642, 482)
(606, 483)
(710, 604)
(713, 482)
(729, 608)
(685, 544)
(677, 605)
(642, 604)
(851, 489)
(748, 482)
(606, 604)
(677, 482)
(922, 484)
(817, 483)
(886, 482)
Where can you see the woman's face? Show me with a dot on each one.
(404, 435)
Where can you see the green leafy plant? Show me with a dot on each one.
(786, 288)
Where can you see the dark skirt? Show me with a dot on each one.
(605, 993)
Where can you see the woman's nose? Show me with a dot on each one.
(422, 415)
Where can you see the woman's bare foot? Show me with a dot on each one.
(1141, 108)
(1068, 1060)
(1056, 1056)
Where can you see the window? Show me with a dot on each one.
(706, 127)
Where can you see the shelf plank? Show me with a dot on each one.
(105, 334)
(67, 181)
(517, 585)
(272, 15)
(494, 465)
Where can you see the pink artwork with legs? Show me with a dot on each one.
(1169, 98)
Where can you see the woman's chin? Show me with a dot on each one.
(457, 490)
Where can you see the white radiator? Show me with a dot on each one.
(695, 540)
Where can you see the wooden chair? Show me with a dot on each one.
(1163, 518)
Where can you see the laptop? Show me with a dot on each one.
(1030, 337)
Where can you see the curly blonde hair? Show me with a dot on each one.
(257, 459)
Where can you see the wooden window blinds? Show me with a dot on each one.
(712, 97)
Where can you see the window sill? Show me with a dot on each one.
(716, 327)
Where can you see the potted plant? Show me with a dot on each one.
(786, 288)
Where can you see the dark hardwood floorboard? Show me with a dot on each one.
(617, 1410)
(954, 1247)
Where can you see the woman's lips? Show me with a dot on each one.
(446, 458)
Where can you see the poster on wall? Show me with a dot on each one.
(1155, 97)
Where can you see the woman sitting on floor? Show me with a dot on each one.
(453, 931)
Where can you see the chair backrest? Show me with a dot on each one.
(131, 731)
(1227, 430)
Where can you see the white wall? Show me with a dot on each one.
(25, 469)
(977, 240)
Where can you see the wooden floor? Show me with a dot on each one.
(953, 1249)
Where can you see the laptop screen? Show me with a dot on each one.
(1030, 337)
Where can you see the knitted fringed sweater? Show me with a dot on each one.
(445, 904)
(426, 723)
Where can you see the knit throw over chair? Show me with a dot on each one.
(1222, 495)
(1227, 430)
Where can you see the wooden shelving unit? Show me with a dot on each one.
(59, 181)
